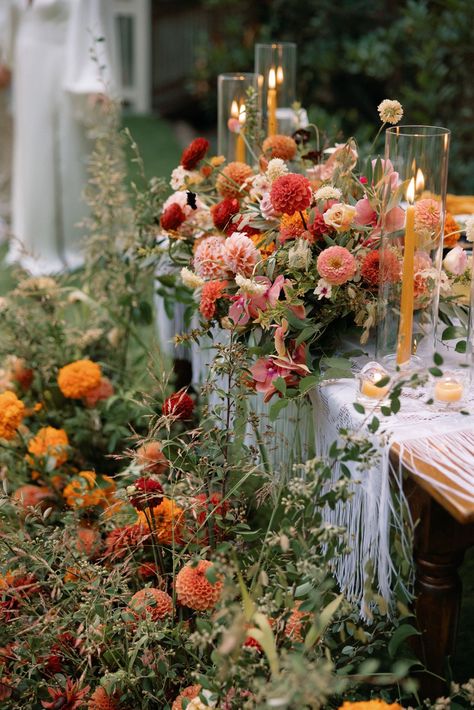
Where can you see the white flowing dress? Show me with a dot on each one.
(57, 64)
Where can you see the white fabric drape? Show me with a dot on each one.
(55, 70)
(6, 135)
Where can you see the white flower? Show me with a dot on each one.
(266, 207)
(455, 261)
(260, 185)
(250, 287)
(339, 216)
(390, 111)
(470, 229)
(276, 168)
(323, 289)
(178, 177)
(327, 192)
(299, 256)
(190, 279)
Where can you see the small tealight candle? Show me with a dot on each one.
(448, 389)
(369, 377)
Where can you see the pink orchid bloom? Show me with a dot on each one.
(289, 366)
(245, 307)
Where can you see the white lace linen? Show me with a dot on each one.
(444, 439)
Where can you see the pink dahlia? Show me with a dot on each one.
(336, 265)
(210, 258)
(211, 292)
(291, 193)
(427, 216)
(241, 254)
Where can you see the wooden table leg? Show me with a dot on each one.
(440, 543)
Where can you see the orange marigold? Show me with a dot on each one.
(370, 705)
(452, 231)
(167, 519)
(87, 490)
(49, 441)
(78, 378)
(279, 146)
(12, 411)
(194, 589)
(292, 226)
(230, 182)
(101, 700)
(189, 693)
(153, 601)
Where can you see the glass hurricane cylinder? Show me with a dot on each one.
(412, 182)
(276, 64)
(232, 141)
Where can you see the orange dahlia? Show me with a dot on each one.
(124, 540)
(279, 146)
(166, 521)
(49, 442)
(452, 231)
(101, 700)
(87, 490)
(231, 181)
(292, 226)
(189, 693)
(291, 193)
(12, 411)
(151, 458)
(370, 705)
(155, 602)
(194, 589)
(77, 379)
(210, 293)
(31, 496)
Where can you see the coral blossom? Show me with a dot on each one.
(211, 292)
(370, 705)
(155, 602)
(194, 153)
(194, 589)
(12, 411)
(291, 226)
(103, 391)
(123, 540)
(427, 216)
(223, 212)
(151, 458)
(101, 700)
(241, 254)
(172, 218)
(452, 231)
(147, 493)
(232, 180)
(279, 146)
(295, 623)
(209, 258)
(380, 266)
(31, 495)
(336, 265)
(189, 693)
(78, 378)
(49, 442)
(179, 405)
(291, 193)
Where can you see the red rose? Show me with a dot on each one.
(291, 193)
(179, 405)
(223, 212)
(194, 153)
(172, 218)
(148, 493)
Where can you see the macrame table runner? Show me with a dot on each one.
(424, 438)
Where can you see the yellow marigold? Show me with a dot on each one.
(12, 411)
(232, 178)
(86, 490)
(49, 442)
(78, 378)
(452, 231)
(279, 146)
(167, 521)
(370, 705)
(265, 250)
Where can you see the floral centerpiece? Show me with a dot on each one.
(287, 253)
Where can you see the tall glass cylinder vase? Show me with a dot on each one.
(413, 193)
(276, 63)
(233, 143)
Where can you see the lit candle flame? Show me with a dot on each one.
(279, 75)
(271, 79)
(411, 191)
(420, 181)
(234, 109)
(242, 114)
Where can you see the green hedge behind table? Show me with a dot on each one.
(354, 53)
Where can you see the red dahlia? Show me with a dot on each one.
(179, 405)
(317, 226)
(291, 193)
(223, 212)
(148, 493)
(172, 218)
(378, 266)
(194, 153)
